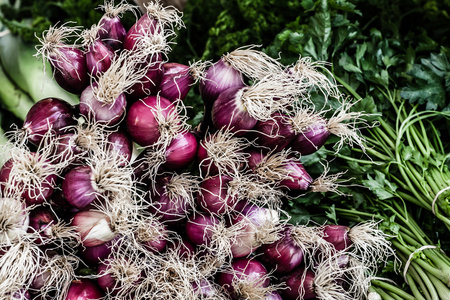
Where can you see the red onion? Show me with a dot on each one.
(13, 219)
(98, 58)
(80, 187)
(84, 289)
(146, 117)
(200, 228)
(48, 114)
(149, 83)
(338, 236)
(218, 78)
(176, 81)
(94, 228)
(112, 31)
(283, 255)
(41, 220)
(257, 226)
(94, 255)
(20, 295)
(70, 70)
(145, 26)
(173, 197)
(299, 285)
(120, 143)
(180, 152)
(104, 110)
(229, 112)
(275, 133)
(182, 247)
(247, 279)
(29, 174)
(273, 296)
(153, 235)
(215, 197)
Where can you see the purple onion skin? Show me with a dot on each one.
(32, 197)
(184, 248)
(213, 197)
(299, 179)
(78, 187)
(149, 84)
(176, 81)
(66, 149)
(294, 282)
(41, 218)
(141, 123)
(20, 295)
(199, 228)
(112, 32)
(93, 109)
(275, 134)
(121, 143)
(282, 256)
(243, 269)
(338, 236)
(84, 289)
(98, 58)
(159, 244)
(94, 255)
(181, 151)
(106, 281)
(70, 70)
(167, 210)
(49, 113)
(254, 159)
(312, 140)
(228, 111)
(219, 77)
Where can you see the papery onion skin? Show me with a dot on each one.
(41, 220)
(84, 289)
(98, 58)
(112, 32)
(141, 123)
(20, 295)
(176, 81)
(282, 256)
(180, 152)
(32, 197)
(199, 229)
(104, 113)
(120, 142)
(16, 228)
(145, 26)
(70, 70)
(149, 84)
(214, 197)
(245, 270)
(274, 296)
(78, 187)
(229, 112)
(294, 282)
(49, 113)
(338, 236)
(93, 227)
(312, 139)
(94, 255)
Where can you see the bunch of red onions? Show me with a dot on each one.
(122, 189)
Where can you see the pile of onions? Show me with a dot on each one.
(120, 187)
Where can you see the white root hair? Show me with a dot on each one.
(166, 15)
(371, 244)
(89, 36)
(304, 117)
(125, 71)
(57, 273)
(253, 63)
(328, 183)
(273, 93)
(150, 229)
(13, 220)
(225, 152)
(53, 40)
(306, 73)
(310, 240)
(184, 186)
(197, 70)
(19, 264)
(118, 10)
(272, 166)
(347, 125)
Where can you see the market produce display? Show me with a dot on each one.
(121, 190)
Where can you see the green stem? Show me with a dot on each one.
(347, 87)
(393, 289)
